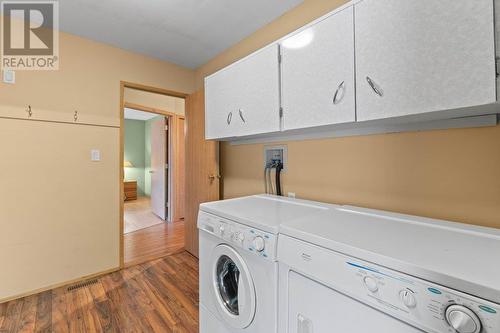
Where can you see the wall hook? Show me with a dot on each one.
(75, 116)
(30, 113)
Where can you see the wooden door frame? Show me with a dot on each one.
(123, 104)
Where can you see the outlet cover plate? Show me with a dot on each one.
(276, 153)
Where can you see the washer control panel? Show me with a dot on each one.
(261, 243)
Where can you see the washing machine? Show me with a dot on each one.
(238, 267)
(359, 270)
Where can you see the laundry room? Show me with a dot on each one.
(299, 166)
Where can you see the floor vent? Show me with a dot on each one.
(82, 284)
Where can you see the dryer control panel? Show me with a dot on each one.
(261, 243)
(421, 302)
(426, 305)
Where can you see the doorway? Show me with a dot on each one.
(153, 175)
(146, 159)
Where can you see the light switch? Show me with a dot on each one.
(95, 155)
(9, 76)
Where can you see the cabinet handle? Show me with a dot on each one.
(304, 325)
(376, 88)
(229, 117)
(241, 115)
(339, 94)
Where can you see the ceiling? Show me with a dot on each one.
(186, 32)
(138, 115)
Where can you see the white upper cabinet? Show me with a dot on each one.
(415, 56)
(243, 99)
(371, 60)
(318, 73)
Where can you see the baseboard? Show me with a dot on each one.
(58, 285)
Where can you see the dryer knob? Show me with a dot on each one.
(371, 284)
(462, 319)
(408, 298)
(259, 244)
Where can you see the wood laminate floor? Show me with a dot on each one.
(157, 296)
(153, 242)
(138, 214)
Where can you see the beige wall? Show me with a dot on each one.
(89, 79)
(448, 174)
(59, 212)
(157, 101)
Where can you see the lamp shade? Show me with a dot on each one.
(127, 164)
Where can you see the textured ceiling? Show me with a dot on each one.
(186, 32)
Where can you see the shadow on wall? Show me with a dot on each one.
(445, 174)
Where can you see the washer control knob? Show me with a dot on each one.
(241, 237)
(371, 284)
(462, 319)
(408, 298)
(222, 229)
(259, 244)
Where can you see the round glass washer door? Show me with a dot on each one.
(233, 287)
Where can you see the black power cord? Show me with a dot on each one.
(279, 167)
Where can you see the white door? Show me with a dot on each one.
(415, 57)
(318, 73)
(158, 165)
(315, 308)
(234, 287)
(243, 99)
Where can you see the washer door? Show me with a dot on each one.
(234, 288)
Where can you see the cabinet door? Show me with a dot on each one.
(220, 101)
(243, 99)
(414, 57)
(258, 92)
(318, 73)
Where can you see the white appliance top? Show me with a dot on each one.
(264, 212)
(458, 256)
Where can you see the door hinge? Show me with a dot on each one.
(166, 127)
(281, 112)
(279, 57)
(497, 72)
